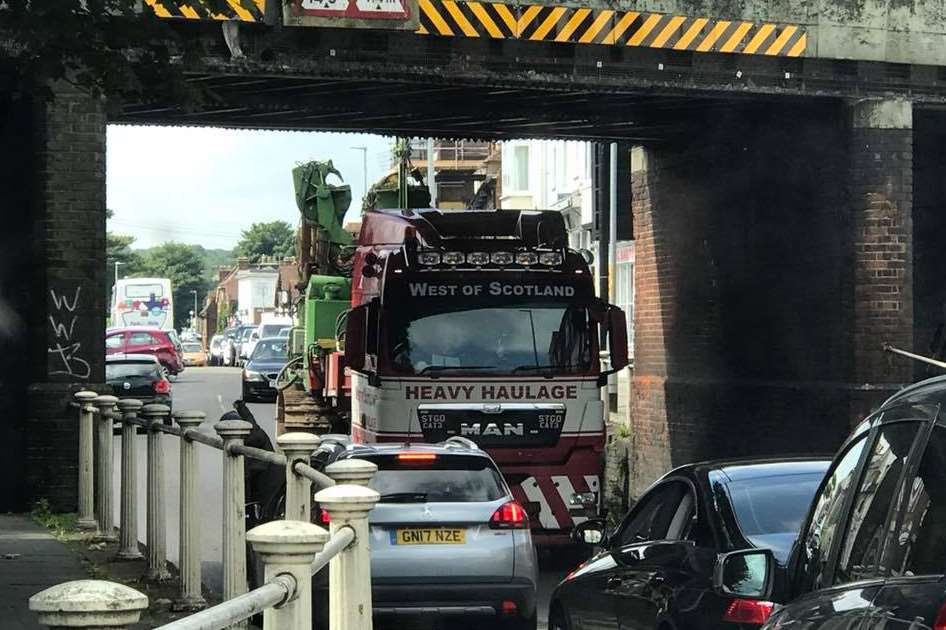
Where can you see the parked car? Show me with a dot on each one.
(241, 337)
(194, 354)
(657, 567)
(872, 553)
(260, 372)
(217, 347)
(163, 344)
(448, 540)
(138, 376)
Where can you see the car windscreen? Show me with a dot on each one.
(269, 349)
(114, 371)
(270, 330)
(770, 510)
(444, 479)
(192, 347)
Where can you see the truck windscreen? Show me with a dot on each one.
(523, 332)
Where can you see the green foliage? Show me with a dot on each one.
(223, 314)
(118, 249)
(276, 238)
(184, 266)
(59, 524)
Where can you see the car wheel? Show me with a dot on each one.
(557, 619)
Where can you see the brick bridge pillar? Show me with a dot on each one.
(53, 293)
(773, 260)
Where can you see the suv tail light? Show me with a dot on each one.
(417, 457)
(324, 518)
(162, 387)
(748, 611)
(509, 516)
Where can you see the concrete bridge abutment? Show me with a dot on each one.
(775, 256)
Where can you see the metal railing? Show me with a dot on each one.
(292, 550)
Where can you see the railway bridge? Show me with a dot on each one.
(788, 171)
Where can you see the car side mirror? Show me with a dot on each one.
(617, 338)
(361, 337)
(591, 533)
(746, 574)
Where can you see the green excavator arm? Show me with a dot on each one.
(322, 203)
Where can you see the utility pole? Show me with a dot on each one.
(194, 316)
(364, 166)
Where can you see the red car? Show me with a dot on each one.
(161, 343)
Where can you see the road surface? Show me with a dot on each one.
(212, 390)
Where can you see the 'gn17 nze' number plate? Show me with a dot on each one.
(428, 536)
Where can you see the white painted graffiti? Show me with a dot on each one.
(63, 322)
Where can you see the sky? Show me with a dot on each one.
(205, 185)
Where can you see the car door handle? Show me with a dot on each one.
(614, 582)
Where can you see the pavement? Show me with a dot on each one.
(31, 560)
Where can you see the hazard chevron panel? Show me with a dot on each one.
(239, 10)
(489, 20)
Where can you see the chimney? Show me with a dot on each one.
(243, 263)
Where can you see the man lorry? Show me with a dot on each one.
(433, 324)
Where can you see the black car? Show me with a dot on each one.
(661, 568)
(138, 376)
(260, 372)
(872, 554)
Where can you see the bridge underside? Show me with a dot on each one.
(786, 225)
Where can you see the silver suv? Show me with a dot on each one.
(448, 541)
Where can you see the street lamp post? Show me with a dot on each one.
(118, 263)
(194, 316)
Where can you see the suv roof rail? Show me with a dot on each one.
(463, 442)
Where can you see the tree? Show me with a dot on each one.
(184, 266)
(276, 238)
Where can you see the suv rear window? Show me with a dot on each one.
(126, 370)
(446, 479)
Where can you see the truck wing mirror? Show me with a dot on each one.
(617, 343)
(361, 337)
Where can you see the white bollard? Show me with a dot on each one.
(350, 571)
(105, 452)
(353, 472)
(289, 547)
(157, 537)
(298, 447)
(86, 460)
(191, 598)
(233, 432)
(89, 604)
(128, 527)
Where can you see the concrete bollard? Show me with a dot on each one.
(90, 604)
(353, 472)
(350, 571)
(105, 452)
(86, 460)
(298, 447)
(289, 547)
(128, 527)
(191, 598)
(233, 432)
(157, 537)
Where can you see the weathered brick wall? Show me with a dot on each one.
(881, 197)
(744, 290)
(68, 309)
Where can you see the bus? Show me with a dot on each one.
(143, 302)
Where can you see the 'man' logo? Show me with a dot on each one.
(478, 429)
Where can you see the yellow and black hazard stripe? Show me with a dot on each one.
(468, 19)
(241, 10)
(459, 18)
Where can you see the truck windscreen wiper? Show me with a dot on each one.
(404, 497)
(441, 368)
(534, 368)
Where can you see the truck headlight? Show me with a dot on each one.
(551, 259)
